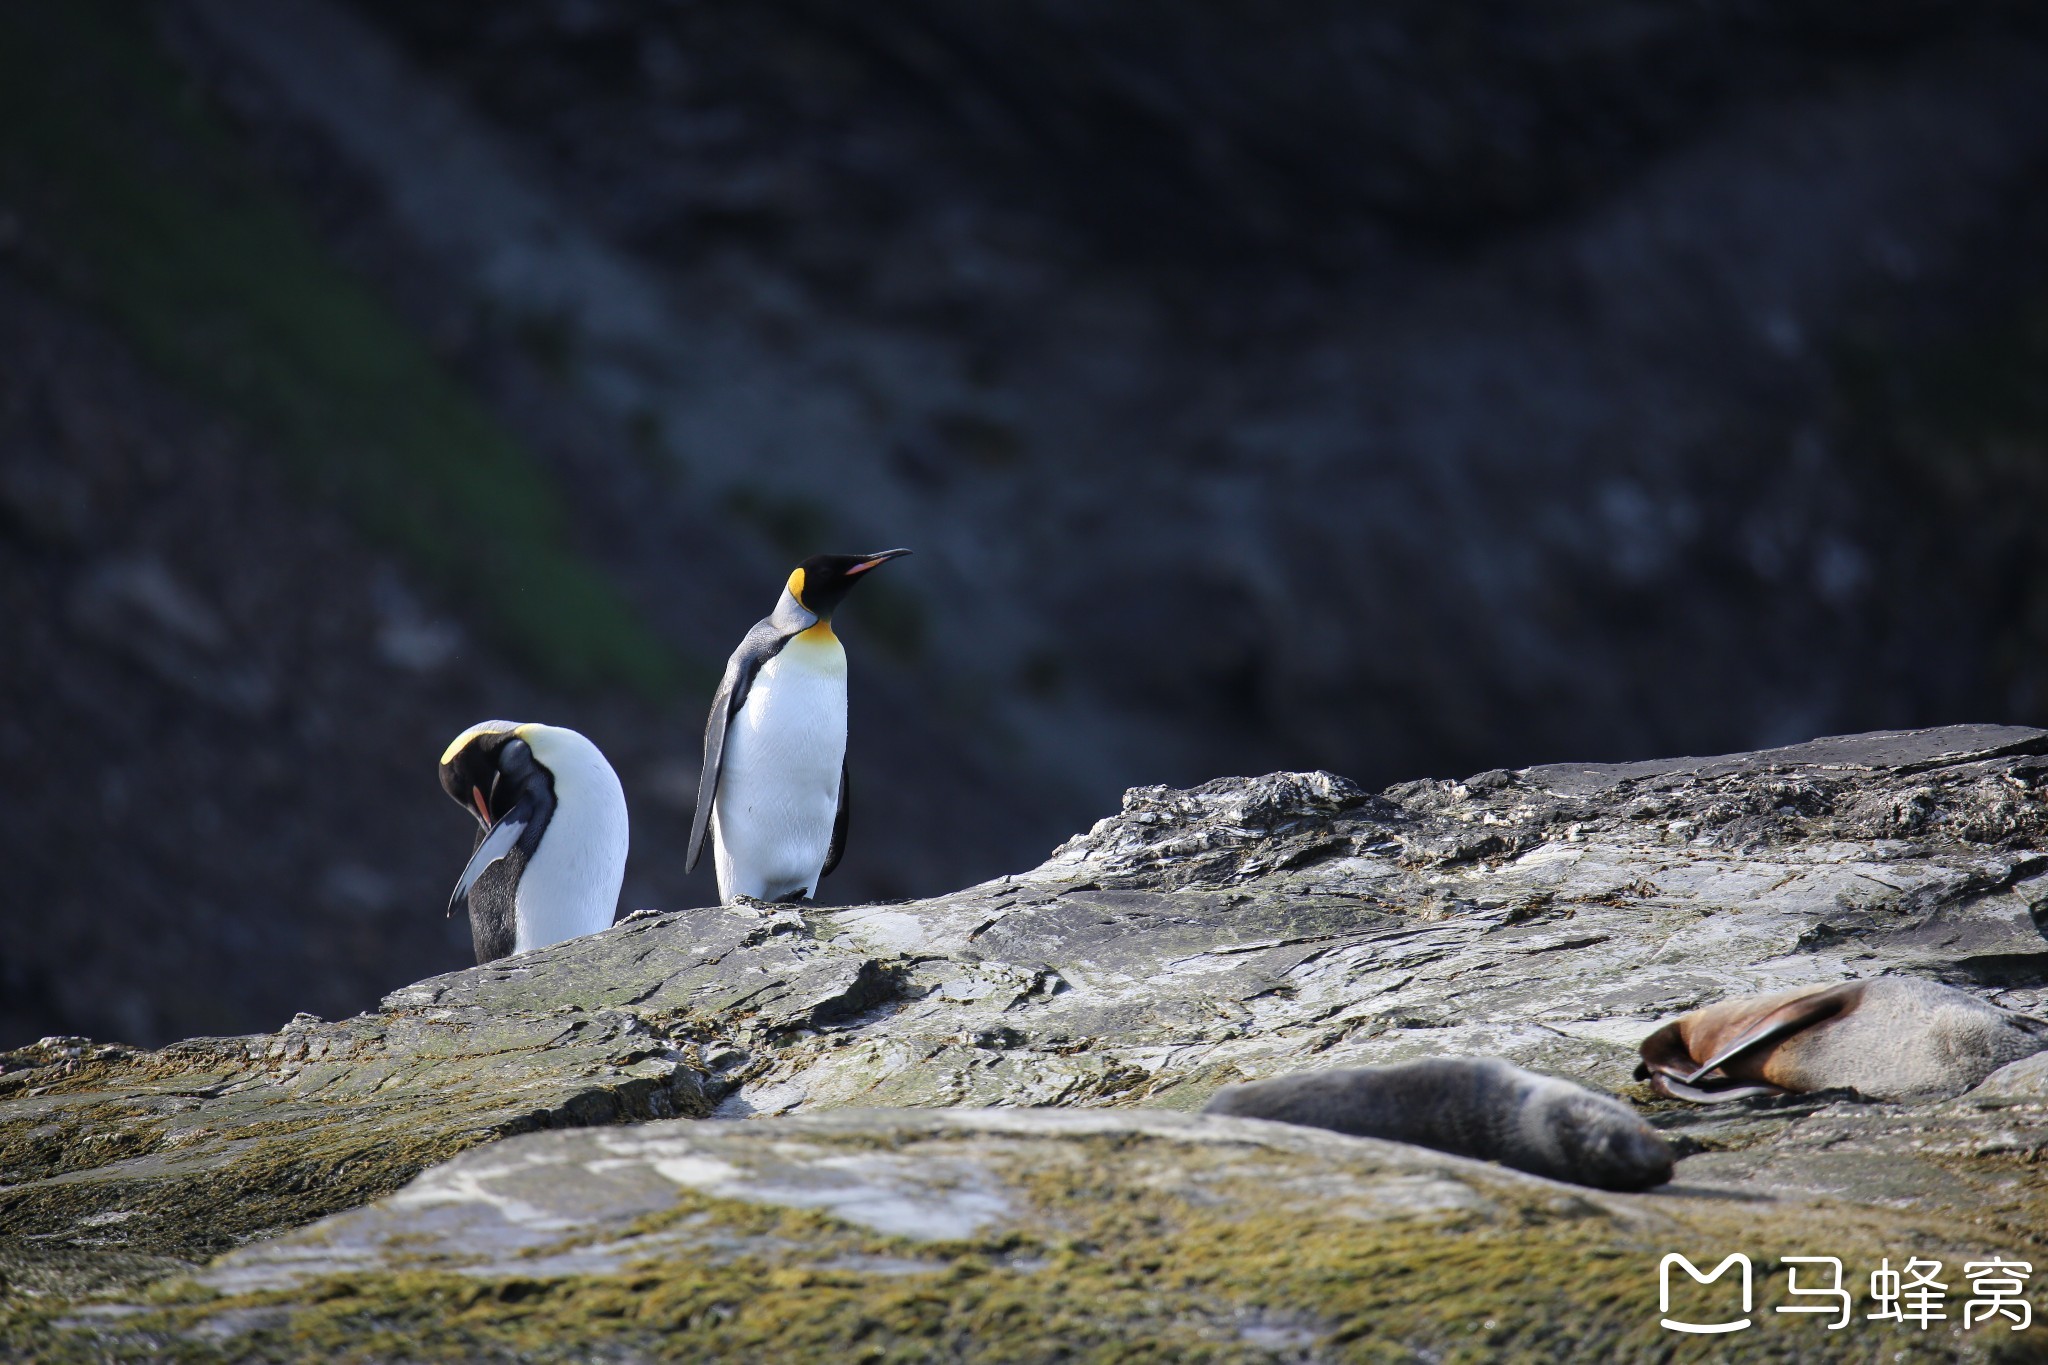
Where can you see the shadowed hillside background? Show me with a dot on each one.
(1399, 389)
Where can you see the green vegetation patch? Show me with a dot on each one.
(76, 1139)
(223, 285)
(118, 1167)
(1111, 1265)
(224, 1188)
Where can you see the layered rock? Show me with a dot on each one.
(1552, 916)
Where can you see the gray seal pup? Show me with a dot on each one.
(1888, 1037)
(1478, 1107)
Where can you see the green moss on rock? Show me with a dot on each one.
(1127, 1247)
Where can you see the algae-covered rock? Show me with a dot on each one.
(1242, 929)
(116, 1163)
(1009, 1235)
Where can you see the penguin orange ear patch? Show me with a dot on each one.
(796, 586)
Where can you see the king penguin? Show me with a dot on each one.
(773, 793)
(552, 848)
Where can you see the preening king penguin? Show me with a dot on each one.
(551, 851)
(773, 795)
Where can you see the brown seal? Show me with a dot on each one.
(1886, 1037)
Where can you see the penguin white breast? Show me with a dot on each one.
(570, 886)
(778, 784)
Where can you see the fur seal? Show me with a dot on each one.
(1888, 1037)
(1469, 1106)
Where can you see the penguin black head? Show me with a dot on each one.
(821, 583)
(486, 768)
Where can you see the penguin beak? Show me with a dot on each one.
(872, 560)
(483, 807)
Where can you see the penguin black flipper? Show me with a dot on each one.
(838, 826)
(497, 843)
(762, 643)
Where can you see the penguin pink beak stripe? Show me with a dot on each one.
(882, 558)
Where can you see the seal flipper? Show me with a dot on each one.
(1669, 1068)
(1675, 1070)
(1794, 1016)
(1672, 1088)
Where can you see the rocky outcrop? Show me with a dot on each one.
(1498, 385)
(1246, 928)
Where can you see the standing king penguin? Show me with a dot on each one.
(552, 848)
(773, 794)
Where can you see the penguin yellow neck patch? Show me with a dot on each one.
(818, 634)
(796, 587)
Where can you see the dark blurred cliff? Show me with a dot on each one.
(1400, 389)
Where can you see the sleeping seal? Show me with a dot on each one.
(1469, 1106)
(1889, 1037)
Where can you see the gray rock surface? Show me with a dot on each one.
(1242, 929)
